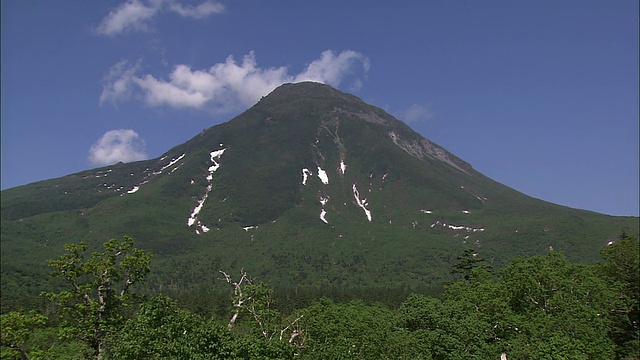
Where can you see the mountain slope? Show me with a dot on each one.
(310, 186)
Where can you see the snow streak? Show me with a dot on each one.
(361, 202)
(193, 218)
(169, 164)
(323, 213)
(147, 178)
(456, 227)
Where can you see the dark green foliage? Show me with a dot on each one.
(544, 307)
(621, 269)
(162, 330)
(449, 330)
(355, 330)
(541, 307)
(469, 263)
(563, 308)
(249, 348)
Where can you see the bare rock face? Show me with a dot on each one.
(424, 148)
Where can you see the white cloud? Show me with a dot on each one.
(130, 16)
(118, 83)
(416, 113)
(159, 93)
(197, 12)
(136, 15)
(117, 145)
(331, 69)
(228, 85)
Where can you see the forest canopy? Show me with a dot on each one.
(540, 307)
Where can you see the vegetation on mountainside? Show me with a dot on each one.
(298, 252)
(427, 206)
(540, 307)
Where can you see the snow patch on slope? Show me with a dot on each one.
(323, 176)
(343, 167)
(324, 200)
(323, 212)
(305, 175)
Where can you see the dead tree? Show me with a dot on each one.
(256, 301)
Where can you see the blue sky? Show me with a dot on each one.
(539, 95)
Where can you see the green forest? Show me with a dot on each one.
(539, 307)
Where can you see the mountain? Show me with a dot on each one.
(309, 187)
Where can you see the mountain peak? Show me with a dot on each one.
(309, 89)
(310, 185)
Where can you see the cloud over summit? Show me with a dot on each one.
(228, 85)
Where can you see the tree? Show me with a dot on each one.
(542, 307)
(469, 263)
(100, 288)
(162, 330)
(355, 330)
(559, 309)
(255, 300)
(16, 328)
(621, 268)
(450, 329)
